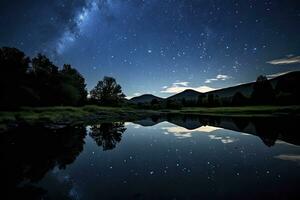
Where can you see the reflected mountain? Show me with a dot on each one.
(269, 129)
(28, 153)
(107, 135)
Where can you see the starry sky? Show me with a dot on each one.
(159, 46)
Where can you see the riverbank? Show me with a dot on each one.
(91, 114)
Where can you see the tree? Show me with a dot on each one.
(14, 65)
(46, 81)
(288, 89)
(107, 92)
(42, 84)
(73, 86)
(41, 65)
(263, 92)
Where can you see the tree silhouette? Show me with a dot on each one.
(46, 80)
(13, 68)
(73, 87)
(107, 92)
(263, 92)
(41, 84)
(288, 89)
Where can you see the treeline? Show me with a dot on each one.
(38, 82)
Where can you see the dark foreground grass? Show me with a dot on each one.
(70, 115)
(88, 114)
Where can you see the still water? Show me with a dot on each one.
(156, 158)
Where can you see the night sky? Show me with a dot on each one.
(159, 46)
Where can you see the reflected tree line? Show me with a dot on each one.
(269, 129)
(26, 158)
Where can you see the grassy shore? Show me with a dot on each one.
(245, 110)
(70, 115)
(90, 113)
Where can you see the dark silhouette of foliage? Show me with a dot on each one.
(171, 104)
(183, 102)
(46, 81)
(107, 135)
(13, 70)
(217, 101)
(73, 86)
(107, 92)
(210, 99)
(154, 102)
(263, 92)
(41, 84)
(200, 99)
(288, 90)
(25, 161)
(239, 99)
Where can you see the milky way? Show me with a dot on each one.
(159, 46)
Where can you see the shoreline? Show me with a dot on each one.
(90, 114)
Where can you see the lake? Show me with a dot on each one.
(169, 157)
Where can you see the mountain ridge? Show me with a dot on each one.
(192, 95)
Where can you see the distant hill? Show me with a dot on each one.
(188, 95)
(145, 98)
(288, 83)
(246, 89)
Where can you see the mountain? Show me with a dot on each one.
(287, 84)
(292, 79)
(188, 95)
(145, 98)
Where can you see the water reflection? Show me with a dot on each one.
(107, 135)
(269, 129)
(160, 157)
(27, 154)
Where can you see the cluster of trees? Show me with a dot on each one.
(38, 82)
(107, 92)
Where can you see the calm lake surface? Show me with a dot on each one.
(156, 158)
